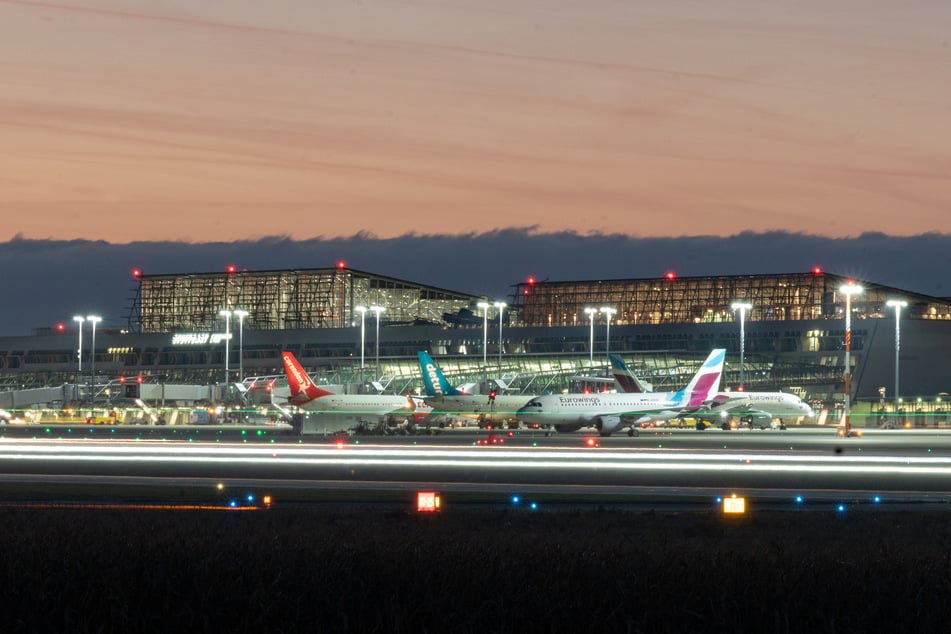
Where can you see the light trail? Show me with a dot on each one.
(490, 458)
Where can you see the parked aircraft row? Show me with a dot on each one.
(632, 406)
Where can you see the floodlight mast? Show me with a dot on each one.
(848, 290)
(742, 307)
(897, 304)
(592, 312)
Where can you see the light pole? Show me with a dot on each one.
(501, 306)
(93, 319)
(608, 311)
(79, 319)
(363, 337)
(848, 290)
(897, 304)
(591, 311)
(240, 314)
(742, 307)
(224, 312)
(377, 310)
(485, 340)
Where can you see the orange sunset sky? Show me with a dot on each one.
(128, 120)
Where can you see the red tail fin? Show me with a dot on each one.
(302, 387)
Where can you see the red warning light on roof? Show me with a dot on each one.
(136, 273)
(817, 270)
(231, 268)
(531, 280)
(341, 264)
(671, 275)
(60, 327)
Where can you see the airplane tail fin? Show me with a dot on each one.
(624, 377)
(433, 378)
(303, 389)
(706, 382)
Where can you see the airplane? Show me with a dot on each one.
(489, 409)
(756, 409)
(609, 412)
(351, 410)
(624, 377)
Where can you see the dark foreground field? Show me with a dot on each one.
(319, 570)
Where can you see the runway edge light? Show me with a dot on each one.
(734, 505)
(428, 502)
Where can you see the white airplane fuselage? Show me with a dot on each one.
(569, 412)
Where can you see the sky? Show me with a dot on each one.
(226, 120)
(468, 144)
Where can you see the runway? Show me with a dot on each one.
(815, 464)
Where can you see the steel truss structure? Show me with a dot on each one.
(286, 300)
(703, 300)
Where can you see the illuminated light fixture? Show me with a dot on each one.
(428, 502)
(734, 505)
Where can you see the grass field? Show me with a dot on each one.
(326, 569)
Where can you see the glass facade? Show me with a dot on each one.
(703, 300)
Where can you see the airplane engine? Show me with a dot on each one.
(759, 419)
(607, 424)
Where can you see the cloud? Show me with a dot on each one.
(48, 281)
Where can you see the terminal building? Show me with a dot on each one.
(361, 331)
